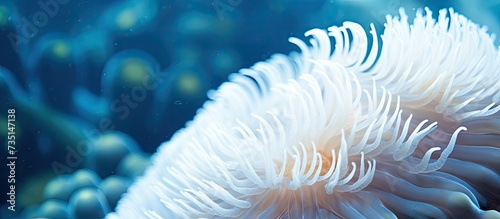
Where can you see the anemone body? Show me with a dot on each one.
(406, 127)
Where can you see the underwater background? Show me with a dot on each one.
(97, 86)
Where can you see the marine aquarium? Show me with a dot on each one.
(250, 109)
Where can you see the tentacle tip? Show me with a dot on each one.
(491, 214)
(328, 189)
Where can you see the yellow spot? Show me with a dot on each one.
(86, 194)
(134, 71)
(189, 84)
(81, 176)
(196, 23)
(60, 49)
(126, 19)
(50, 206)
(4, 14)
(108, 140)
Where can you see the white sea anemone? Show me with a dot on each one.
(342, 130)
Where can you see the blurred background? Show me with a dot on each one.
(98, 85)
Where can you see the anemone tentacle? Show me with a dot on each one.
(342, 130)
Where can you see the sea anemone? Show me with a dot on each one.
(344, 129)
